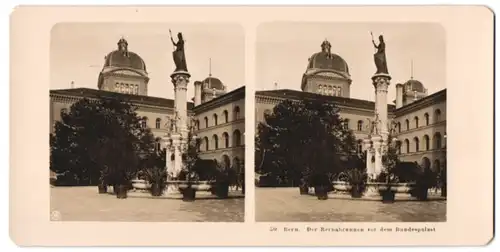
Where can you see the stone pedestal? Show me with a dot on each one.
(370, 169)
(168, 153)
(377, 146)
(177, 162)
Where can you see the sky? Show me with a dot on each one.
(78, 49)
(283, 49)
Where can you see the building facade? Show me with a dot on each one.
(220, 126)
(419, 119)
(124, 75)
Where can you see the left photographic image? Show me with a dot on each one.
(147, 122)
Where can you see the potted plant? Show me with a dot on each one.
(189, 192)
(425, 181)
(303, 187)
(121, 185)
(157, 177)
(103, 186)
(442, 179)
(242, 181)
(222, 182)
(357, 181)
(385, 189)
(390, 161)
(321, 184)
(304, 181)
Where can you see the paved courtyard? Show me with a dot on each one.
(286, 204)
(85, 204)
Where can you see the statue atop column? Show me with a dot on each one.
(379, 56)
(178, 54)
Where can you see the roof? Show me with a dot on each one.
(439, 96)
(214, 83)
(414, 85)
(234, 95)
(341, 101)
(324, 60)
(124, 59)
(136, 99)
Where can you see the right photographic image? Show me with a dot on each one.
(350, 122)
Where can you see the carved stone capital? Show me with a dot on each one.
(381, 82)
(180, 79)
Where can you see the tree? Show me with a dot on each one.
(96, 136)
(301, 138)
(390, 160)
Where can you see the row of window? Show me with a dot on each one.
(127, 88)
(329, 90)
(416, 121)
(436, 144)
(406, 145)
(215, 118)
(437, 118)
(213, 143)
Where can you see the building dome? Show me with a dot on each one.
(414, 85)
(212, 82)
(326, 60)
(124, 58)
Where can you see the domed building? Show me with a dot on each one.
(327, 73)
(219, 114)
(419, 118)
(124, 72)
(208, 89)
(410, 91)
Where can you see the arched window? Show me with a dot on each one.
(437, 141)
(417, 143)
(399, 127)
(427, 142)
(426, 116)
(236, 138)
(320, 89)
(206, 122)
(437, 116)
(225, 138)
(215, 139)
(206, 143)
(236, 113)
(416, 121)
(360, 125)
(360, 146)
(226, 162)
(215, 119)
(437, 166)
(407, 122)
(198, 124)
(226, 116)
(407, 145)
(346, 124)
(144, 122)
(158, 144)
(158, 123)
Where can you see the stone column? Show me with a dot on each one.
(177, 164)
(168, 154)
(377, 145)
(369, 165)
(381, 83)
(180, 80)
